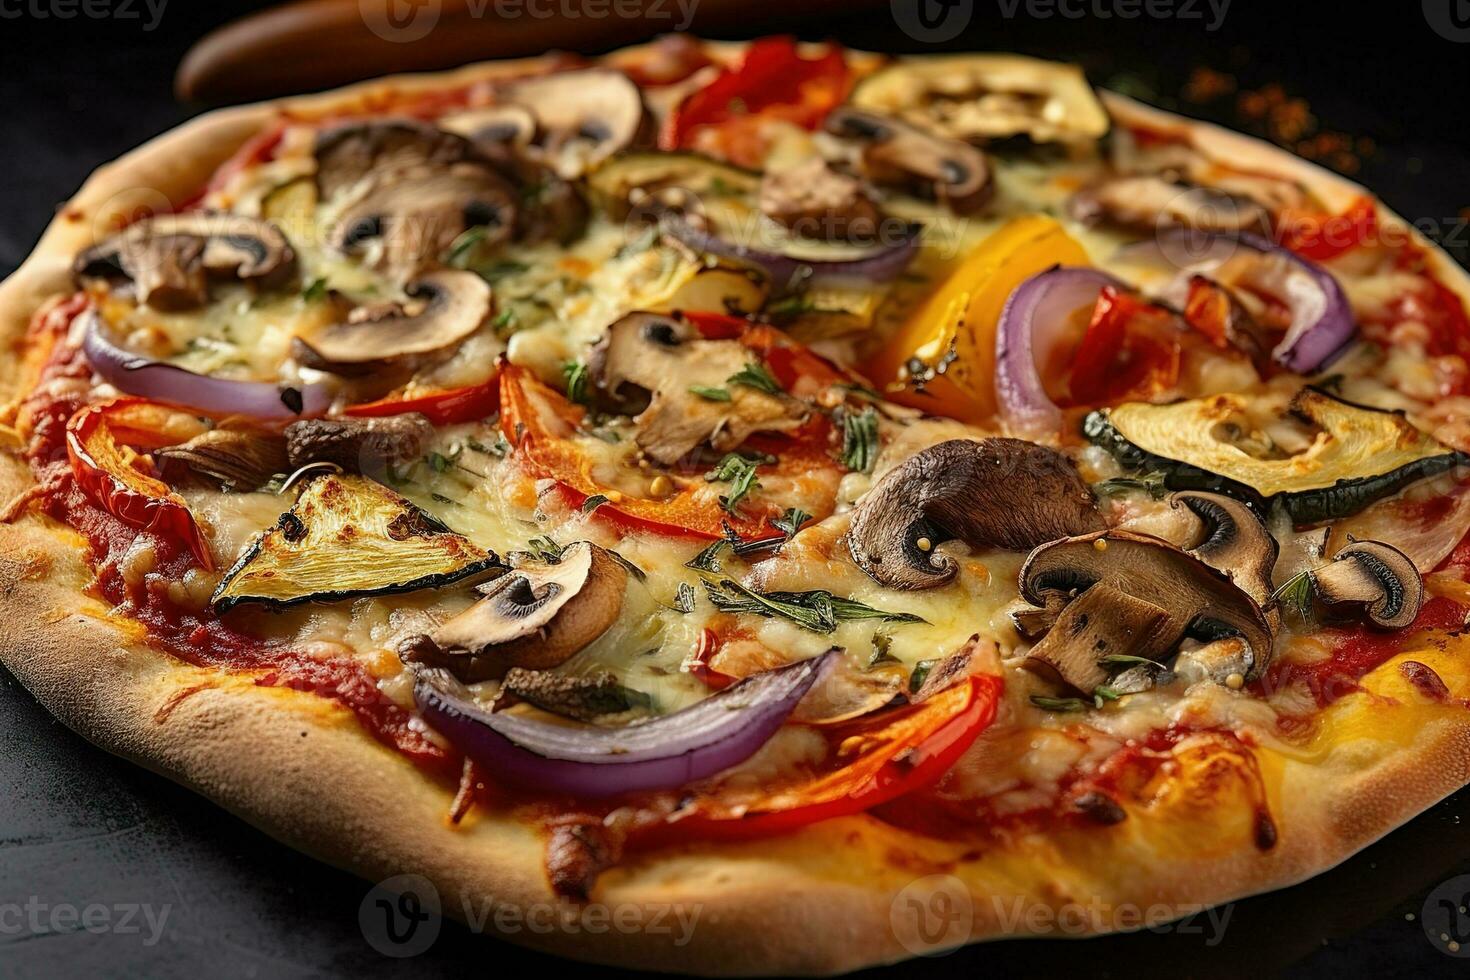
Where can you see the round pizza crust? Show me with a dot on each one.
(833, 897)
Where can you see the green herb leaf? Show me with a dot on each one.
(1060, 704)
(593, 502)
(546, 549)
(817, 610)
(315, 290)
(920, 674)
(1295, 596)
(501, 269)
(1120, 659)
(458, 252)
(755, 375)
(1150, 483)
(576, 374)
(791, 521)
(711, 393)
(684, 598)
(708, 559)
(740, 472)
(860, 440)
(439, 463)
(1103, 693)
(882, 643)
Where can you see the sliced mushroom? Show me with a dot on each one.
(451, 306)
(1376, 577)
(536, 616)
(1004, 493)
(580, 697)
(1149, 201)
(665, 363)
(585, 115)
(494, 129)
(847, 691)
(1104, 621)
(898, 154)
(1234, 542)
(367, 445)
(1199, 600)
(816, 202)
(171, 258)
(240, 458)
(406, 190)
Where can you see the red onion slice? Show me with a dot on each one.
(587, 761)
(1321, 318)
(138, 375)
(1031, 323)
(880, 265)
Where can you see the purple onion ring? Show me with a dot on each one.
(1030, 324)
(139, 375)
(881, 265)
(587, 761)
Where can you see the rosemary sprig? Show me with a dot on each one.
(684, 598)
(593, 502)
(710, 393)
(860, 439)
(755, 375)
(576, 374)
(1295, 595)
(817, 610)
(739, 472)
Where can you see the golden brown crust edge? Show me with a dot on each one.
(302, 769)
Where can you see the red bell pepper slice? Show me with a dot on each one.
(772, 80)
(1322, 237)
(1131, 349)
(98, 442)
(899, 753)
(447, 407)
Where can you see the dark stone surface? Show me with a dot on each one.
(79, 828)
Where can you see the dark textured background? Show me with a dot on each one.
(80, 827)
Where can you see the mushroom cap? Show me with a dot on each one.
(1200, 600)
(1235, 541)
(1377, 576)
(241, 457)
(1146, 202)
(359, 445)
(455, 304)
(585, 115)
(899, 153)
(535, 616)
(1005, 493)
(169, 257)
(665, 356)
(814, 201)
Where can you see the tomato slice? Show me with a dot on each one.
(1321, 237)
(897, 754)
(772, 81)
(1131, 350)
(99, 440)
(449, 406)
(541, 425)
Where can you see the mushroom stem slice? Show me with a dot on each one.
(1235, 541)
(536, 617)
(1103, 621)
(1004, 493)
(1375, 576)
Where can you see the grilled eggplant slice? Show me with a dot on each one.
(1358, 455)
(348, 536)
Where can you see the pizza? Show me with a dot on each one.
(773, 482)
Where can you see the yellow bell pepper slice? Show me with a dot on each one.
(942, 360)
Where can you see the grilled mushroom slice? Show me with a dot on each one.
(170, 258)
(1376, 577)
(368, 445)
(1235, 541)
(580, 697)
(494, 129)
(348, 536)
(241, 458)
(451, 306)
(1196, 600)
(536, 616)
(405, 190)
(1005, 493)
(816, 202)
(897, 154)
(585, 116)
(659, 367)
(1144, 202)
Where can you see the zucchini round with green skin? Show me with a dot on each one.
(614, 183)
(1360, 454)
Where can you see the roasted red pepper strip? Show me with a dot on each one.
(97, 441)
(1131, 349)
(541, 425)
(448, 407)
(902, 753)
(1319, 237)
(772, 80)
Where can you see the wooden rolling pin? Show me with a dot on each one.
(314, 44)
